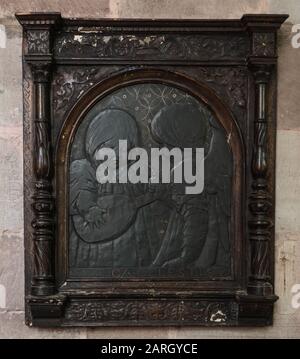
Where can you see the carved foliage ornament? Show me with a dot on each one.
(148, 253)
(38, 42)
(173, 311)
(160, 46)
(71, 83)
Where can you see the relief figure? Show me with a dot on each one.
(153, 229)
(107, 228)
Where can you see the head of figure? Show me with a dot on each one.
(184, 126)
(105, 131)
(180, 125)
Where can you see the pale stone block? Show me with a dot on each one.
(11, 77)
(287, 271)
(288, 80)
(11, 189)
(291, 7)
(14, 327)
(287, 181)
(68, 8)
(186, 9)
(12, 270)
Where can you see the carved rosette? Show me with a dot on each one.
(263, 44)
(260, 202)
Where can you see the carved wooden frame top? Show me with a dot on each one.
(70, 63)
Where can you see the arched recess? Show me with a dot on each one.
(196, 89)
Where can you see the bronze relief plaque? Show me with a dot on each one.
(101, 99)
(145, 229)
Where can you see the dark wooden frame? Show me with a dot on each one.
(68, 66)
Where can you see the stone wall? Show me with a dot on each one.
(287, 319)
